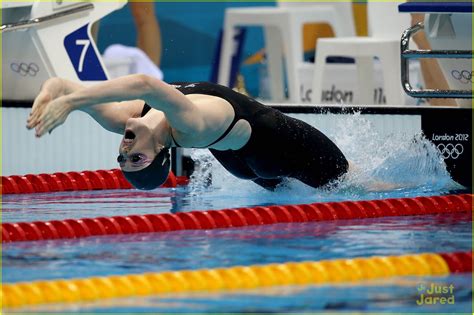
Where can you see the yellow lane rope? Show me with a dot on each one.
(221, 279)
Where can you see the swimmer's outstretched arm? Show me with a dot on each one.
(182, 114)
(111, 116)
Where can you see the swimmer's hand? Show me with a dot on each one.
(53, 115)
(50, 90)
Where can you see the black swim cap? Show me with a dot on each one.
(152, 176)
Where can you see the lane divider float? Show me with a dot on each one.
(234, 278)
(238, 217)
(75, 181)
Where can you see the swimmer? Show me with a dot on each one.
(252, 141)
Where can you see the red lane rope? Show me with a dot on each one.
(227, 218)
(74, 181)
(458, 261)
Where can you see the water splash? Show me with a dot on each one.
(394, 161)
(395, 165)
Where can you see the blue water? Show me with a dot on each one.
(278, 243)
(87, 204)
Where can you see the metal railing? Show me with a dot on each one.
(407, 54)
(43, 19)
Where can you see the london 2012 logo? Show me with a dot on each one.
(450, 150)
(451, 146)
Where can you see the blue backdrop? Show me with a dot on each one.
(190, 34)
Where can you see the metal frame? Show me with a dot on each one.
(37, 21)
(407, 54)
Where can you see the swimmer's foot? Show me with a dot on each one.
(376, 186)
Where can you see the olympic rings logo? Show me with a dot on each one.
(450, 150)
(463, 76)
(25, 69)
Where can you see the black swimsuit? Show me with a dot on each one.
(279, 146)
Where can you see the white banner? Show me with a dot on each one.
(340, 85)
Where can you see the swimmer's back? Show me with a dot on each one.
(279, 146)
(244, 106)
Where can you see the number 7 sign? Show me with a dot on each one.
(83, 56)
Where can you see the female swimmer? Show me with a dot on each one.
(251, 140)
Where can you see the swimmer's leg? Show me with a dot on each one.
(283, 147)
(316, 175)
(307, 176)
(269, 184)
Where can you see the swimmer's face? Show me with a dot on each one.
(137, 147)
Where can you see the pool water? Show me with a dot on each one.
(388, 168)
(184, 250)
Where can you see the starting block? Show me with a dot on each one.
(43, 39)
